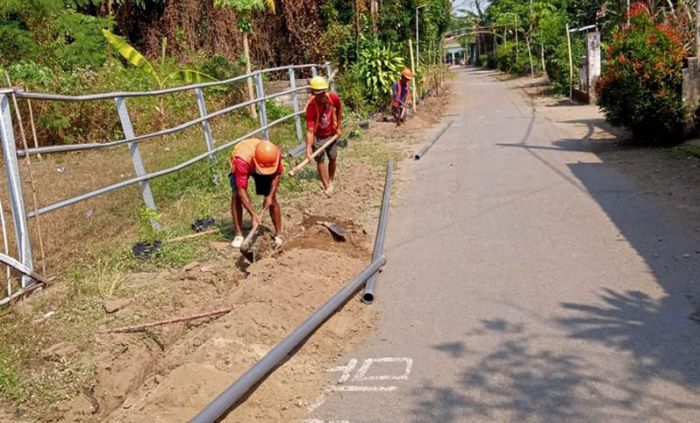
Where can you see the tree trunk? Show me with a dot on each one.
(544, 67)
(248, 70)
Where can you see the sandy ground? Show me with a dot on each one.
(167, 374)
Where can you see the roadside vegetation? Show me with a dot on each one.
(643, 54)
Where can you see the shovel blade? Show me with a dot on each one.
(335, 229)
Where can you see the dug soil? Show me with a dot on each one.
(168, 373)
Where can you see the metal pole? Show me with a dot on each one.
(233, 394)
(295, 104)
(262, 107)
(329, 72)
(135, 156)
(14, 186)
(368, 295)
(571, 64)
(417, 41)
(429, 144)
(202, 105)
(314, 72)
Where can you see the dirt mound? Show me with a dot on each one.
(278, 294)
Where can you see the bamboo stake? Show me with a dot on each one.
(144, 326)
(190, 236)
(571, 64)
(31, 175)
(31, 123)
(413, 80)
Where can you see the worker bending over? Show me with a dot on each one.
(263, 161)
(400, 93)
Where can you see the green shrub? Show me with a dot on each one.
(378, 67)
(351, 90)
(641, 87)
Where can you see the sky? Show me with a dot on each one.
(467, 4)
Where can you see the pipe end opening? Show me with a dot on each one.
(368, 298)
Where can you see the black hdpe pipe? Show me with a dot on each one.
(429, 144)
(368, 295)
(235, 392)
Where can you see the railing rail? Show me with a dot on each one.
(11, 154)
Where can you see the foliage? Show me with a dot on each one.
(51, 32)
(379, 67)
(244, 9)
(147, 218)
(641, 87)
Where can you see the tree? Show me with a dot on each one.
(244, 10)
(135, 58)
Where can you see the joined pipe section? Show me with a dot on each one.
(235, 392)
(429, 144)
(368, 295)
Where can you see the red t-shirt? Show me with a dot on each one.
(242, 170)
(325, 121)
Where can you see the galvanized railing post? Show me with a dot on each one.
(329, 72)
(14, 186)
(295, 103)
(135, 155)
(202, 106)
(314, 72)
(262, 107)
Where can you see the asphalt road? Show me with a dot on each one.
(527, 281)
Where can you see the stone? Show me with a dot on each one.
(191, 266)
(114, 305)
(58, 352)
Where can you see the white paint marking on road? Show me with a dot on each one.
(325, 421)
(345, 369)
(352, 388)
(360, 375)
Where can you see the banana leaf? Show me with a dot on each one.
(129, 53)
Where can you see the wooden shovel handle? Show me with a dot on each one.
(253, 230)
(320, 150)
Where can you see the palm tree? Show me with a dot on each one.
(244, 11)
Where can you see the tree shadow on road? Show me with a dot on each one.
(520, 380)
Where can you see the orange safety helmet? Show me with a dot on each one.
(266, 158)
(406, 73)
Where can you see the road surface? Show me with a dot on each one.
(527, 281)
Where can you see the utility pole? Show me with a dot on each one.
(418, 36)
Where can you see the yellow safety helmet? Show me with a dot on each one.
(318, 84)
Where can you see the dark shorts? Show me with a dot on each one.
(331, 151)
(263, 183)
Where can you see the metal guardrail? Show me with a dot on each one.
(11, 154)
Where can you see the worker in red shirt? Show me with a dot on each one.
(400, 93)
(324, 117)
(263, 161)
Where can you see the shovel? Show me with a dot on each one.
(335, 229)
(247, 246)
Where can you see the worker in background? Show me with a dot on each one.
(263, 161)
(399, 96)
(324, 118)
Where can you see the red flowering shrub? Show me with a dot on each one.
(641, 88)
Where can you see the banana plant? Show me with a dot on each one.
(186, 76)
